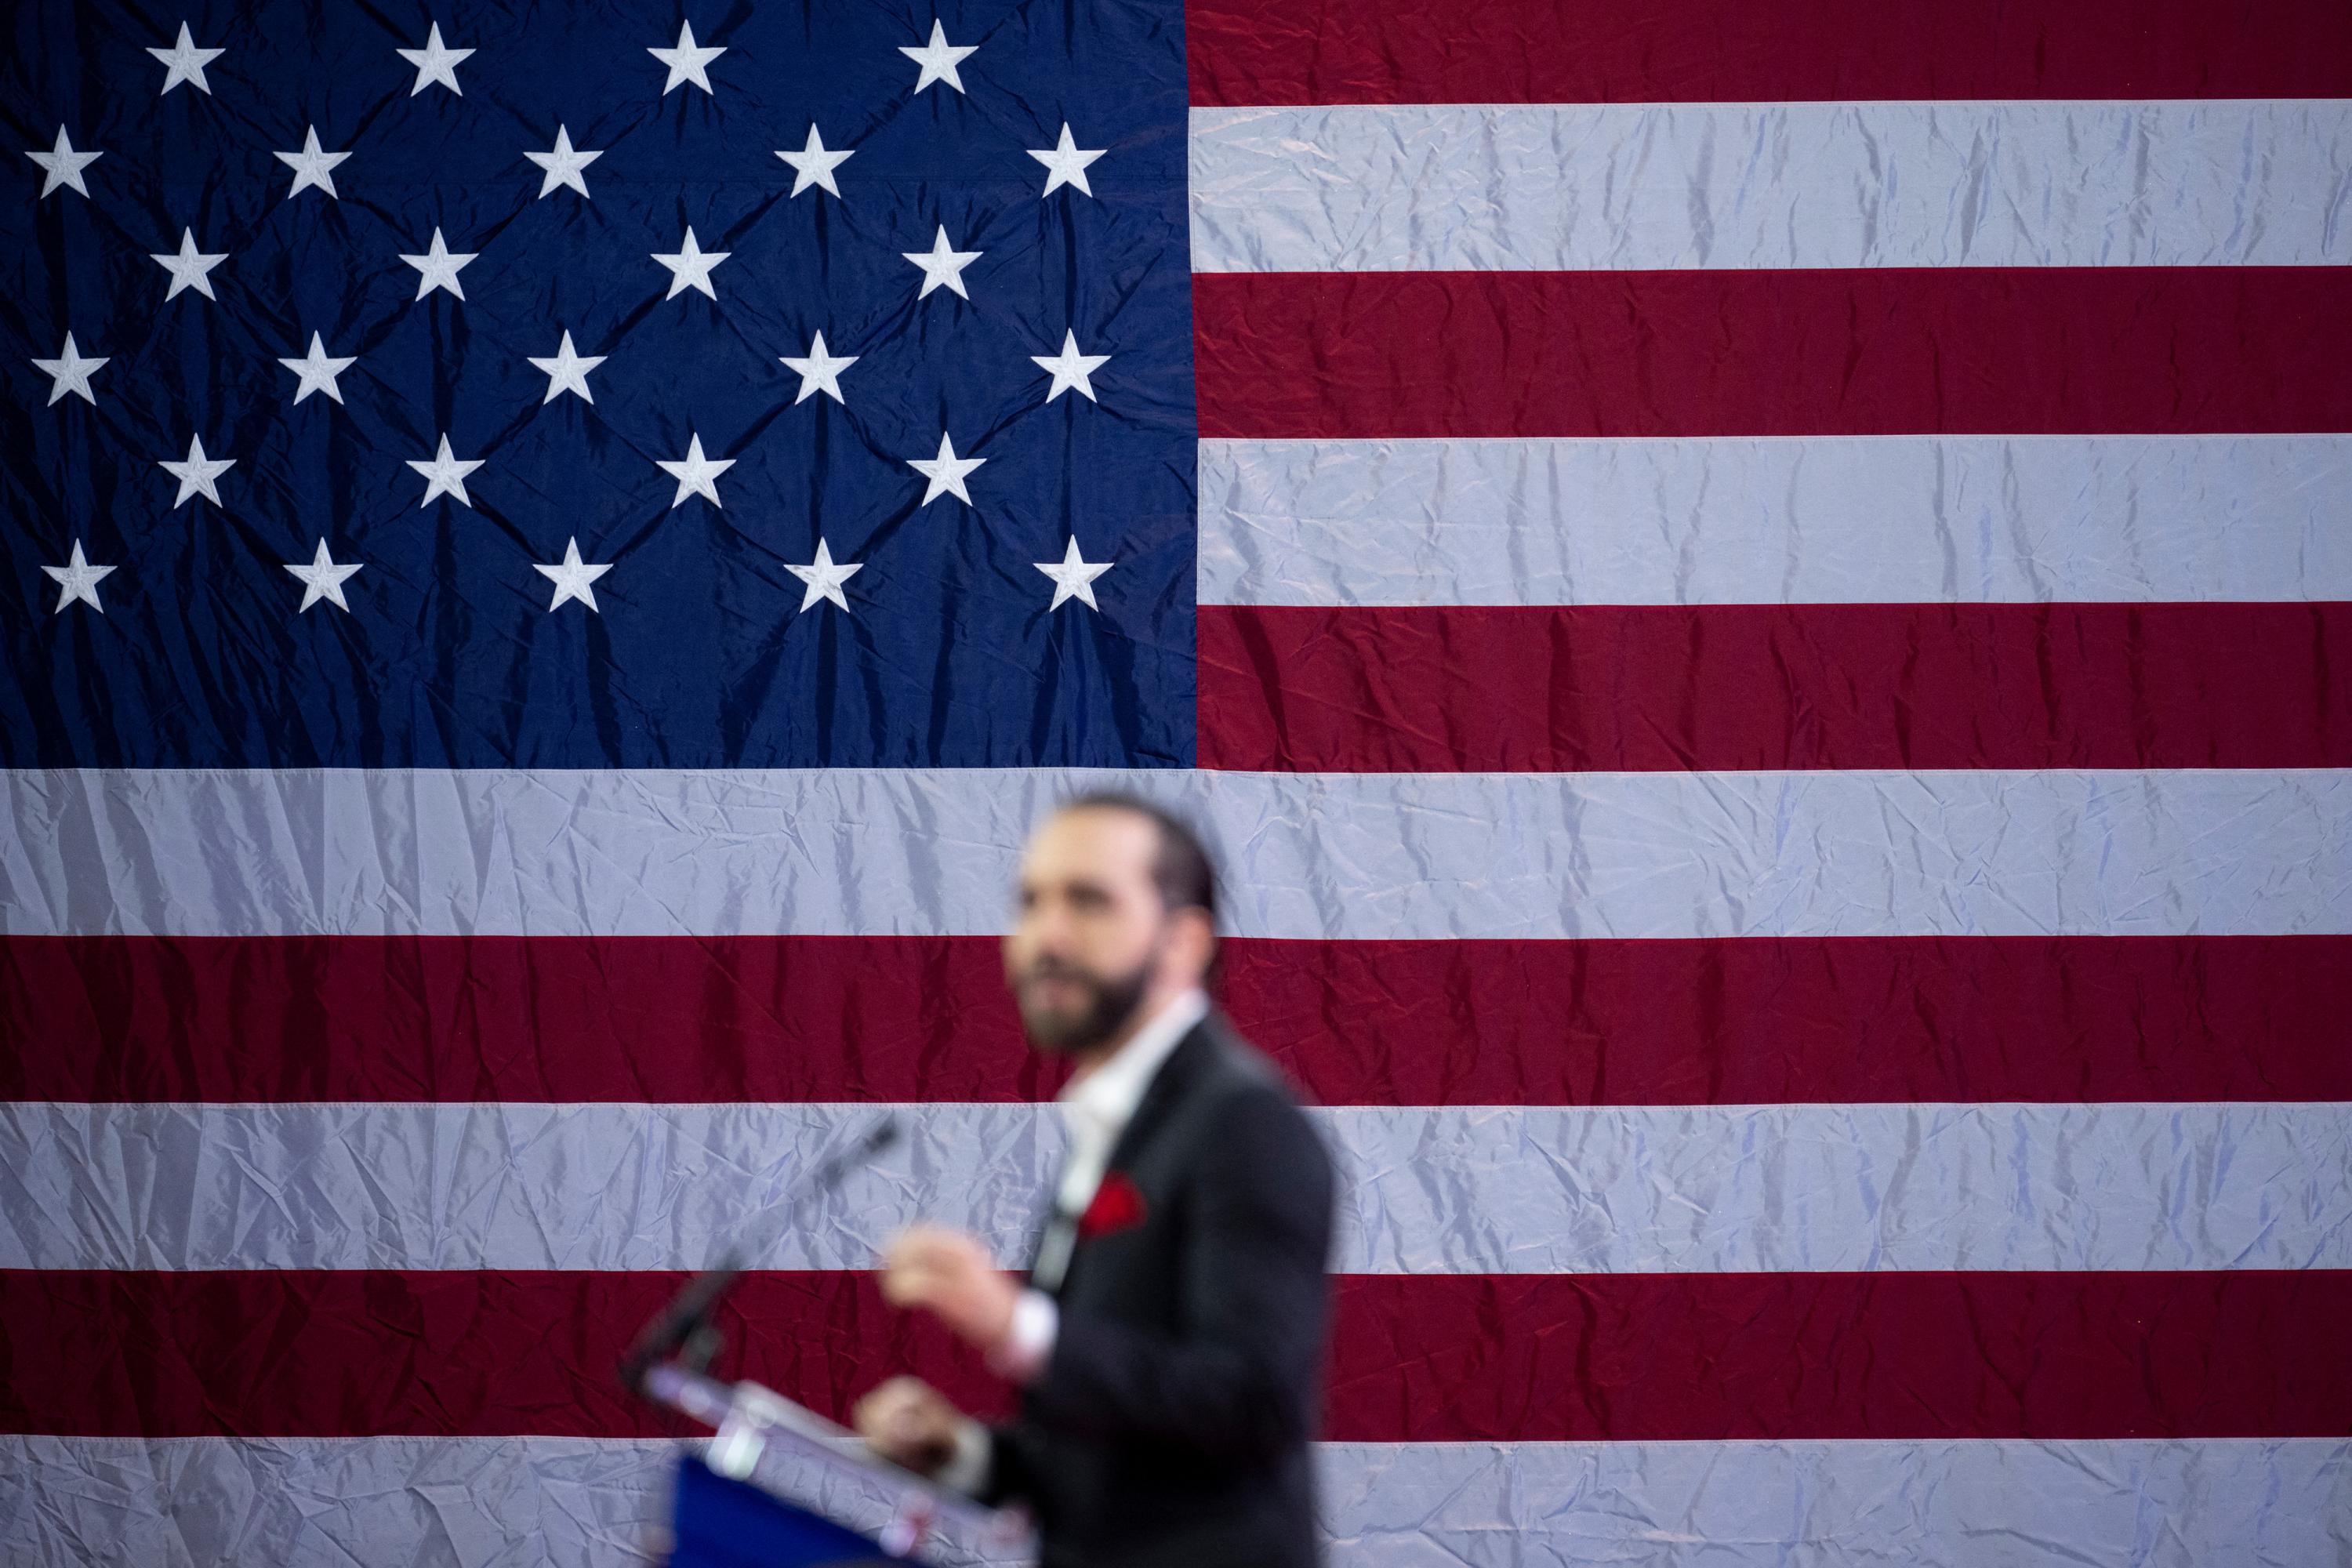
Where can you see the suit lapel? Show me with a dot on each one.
(1160, 1097)
(1162, 1094)
(1037, 1235)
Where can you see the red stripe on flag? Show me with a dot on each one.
(550, 1019)
(1744, 1021)
(1245, 52)
(1624, 1357)
(1731, 1356)
(1991, 351)
(351, 1353)
(1737, 1021)
(1479, 688)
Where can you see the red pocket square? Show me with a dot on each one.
(1118, 1203)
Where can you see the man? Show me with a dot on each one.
(1169, 1339)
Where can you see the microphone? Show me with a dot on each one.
(684, 1326)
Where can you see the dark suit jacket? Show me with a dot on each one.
(1170, 1423)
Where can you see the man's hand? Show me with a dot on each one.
(952, 1276)
(909, 1423)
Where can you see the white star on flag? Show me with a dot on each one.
(1071, 369)
(444, 475)
(813, 165)
(696, 474)
(820, 372)
(64, 165)
(1073, 577)
(69, 371)
(563, 163)
(198, 473)
(434, 63)
(824, 577)
(939, 59)
(942, 265)
(318, 370)
(188, 267)
(571, 576)
(689, 267)
(686, 61)
(1065, 163)
(311, 165)
(438, 267)
(568, 372)
(186, 63)
(321, 578)
(946, 472)
(77, 579)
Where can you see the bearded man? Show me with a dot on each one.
(1168, 1340)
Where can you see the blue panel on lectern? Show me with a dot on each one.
(723, 1523)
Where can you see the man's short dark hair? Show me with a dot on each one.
(1181, 868)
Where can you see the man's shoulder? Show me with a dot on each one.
(1244, 1129)
(1235, 1069)
(1237, 1095)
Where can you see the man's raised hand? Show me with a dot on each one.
(953, 1276)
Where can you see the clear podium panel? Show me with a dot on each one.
(777, 1485)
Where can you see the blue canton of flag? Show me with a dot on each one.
(505, 386)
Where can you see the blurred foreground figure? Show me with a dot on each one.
(1169, 1337)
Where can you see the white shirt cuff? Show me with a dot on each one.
(967, 1468)
(1030, 1340)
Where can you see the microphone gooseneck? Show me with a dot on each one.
(684, 1326)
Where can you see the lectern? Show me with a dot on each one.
(778, 1486)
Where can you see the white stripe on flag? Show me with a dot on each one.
(1794, 520)
(1966, 1504)
(918, 851)
(1539, 1190)
(570, 1502)
(1534, 187)
(333, 1502)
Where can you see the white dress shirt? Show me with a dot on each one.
(1096, 1109)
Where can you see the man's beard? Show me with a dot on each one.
(1110, 1007)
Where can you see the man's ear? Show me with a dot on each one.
(1194, 942)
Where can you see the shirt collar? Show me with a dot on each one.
(1108, 1097)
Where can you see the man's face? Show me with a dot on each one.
(1090, 929)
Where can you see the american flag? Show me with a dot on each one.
(1755, 597)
